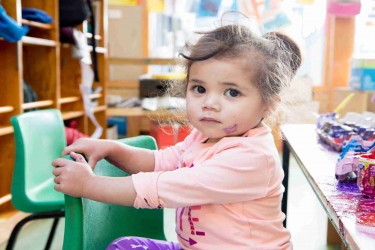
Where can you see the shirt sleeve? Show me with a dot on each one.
(234, 175)
(170, 158)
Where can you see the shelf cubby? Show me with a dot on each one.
(40, 60)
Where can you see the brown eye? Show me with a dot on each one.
(199, 89)
(232, 93)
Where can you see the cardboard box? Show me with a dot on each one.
(361, 101)
(125, 31)
(124, 72)
(125, 40)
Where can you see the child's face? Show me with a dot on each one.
(221, 100)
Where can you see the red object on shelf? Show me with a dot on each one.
(168, 135)
(72, 134)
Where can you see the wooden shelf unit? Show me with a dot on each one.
(40, 60)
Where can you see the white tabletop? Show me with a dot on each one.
(352, 214)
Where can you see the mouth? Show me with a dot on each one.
(209, 120)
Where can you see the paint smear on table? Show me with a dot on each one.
(348, 202)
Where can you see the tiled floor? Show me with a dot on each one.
(307, 220)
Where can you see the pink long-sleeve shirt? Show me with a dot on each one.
(227, 194)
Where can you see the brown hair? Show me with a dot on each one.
(274, 57)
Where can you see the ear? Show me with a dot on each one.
(271, 107)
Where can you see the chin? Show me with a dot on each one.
(214, 136)
(208, 133)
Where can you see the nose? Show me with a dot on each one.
(211, 102)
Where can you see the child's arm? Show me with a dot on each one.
(77, 179)
(236, 174)
(130, 159)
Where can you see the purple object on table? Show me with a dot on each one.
(366, 174)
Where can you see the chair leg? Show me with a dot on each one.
(13, 236)
(52, 233)
(45, 215)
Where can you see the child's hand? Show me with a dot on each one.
(93, 149)
(71, 177)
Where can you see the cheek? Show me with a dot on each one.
(191, 109)
(190, 106)
(231, 129)
(246, 119)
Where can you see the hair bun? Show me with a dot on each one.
(289, 45)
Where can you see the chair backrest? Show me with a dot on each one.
(93, 225)
(39, 139)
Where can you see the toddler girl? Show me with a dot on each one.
(225, 178)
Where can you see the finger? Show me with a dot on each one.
(57, 180)
(67, 150)
(57, 187)
(78, 157)
(60, 162)
(57, 171)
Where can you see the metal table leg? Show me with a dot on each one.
(284, 202)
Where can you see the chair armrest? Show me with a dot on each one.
(73, 235)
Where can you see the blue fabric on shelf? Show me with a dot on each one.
(36, 15)
(9, 29)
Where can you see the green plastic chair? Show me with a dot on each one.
(39, 139)
(93, 225)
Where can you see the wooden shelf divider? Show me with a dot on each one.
(72, 114)
(95, 96)
(97, 37)
(43, 26)
(6, 198)
(6, 109)
(6, 130)
(28, 40)
(70, 99)
(39, 104)
(99, 50)
(100, 108)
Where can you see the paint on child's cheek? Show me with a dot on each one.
(230, 129)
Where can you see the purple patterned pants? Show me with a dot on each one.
(139, 243)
